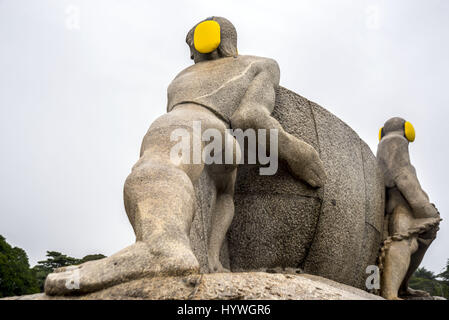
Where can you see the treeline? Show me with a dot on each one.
(16, 276)
(435, 284)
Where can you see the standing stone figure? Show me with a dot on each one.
(222, 90)
(412, 220)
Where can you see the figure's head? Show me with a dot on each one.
(398, 126)
(212, 39)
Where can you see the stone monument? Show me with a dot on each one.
(203, 201)
(222, 90)
(412, 221)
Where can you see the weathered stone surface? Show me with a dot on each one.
(375, 191)
(375, 199)
(224, 286)
(332, 232)
(336, 249)
(273, 236)
(200, 232)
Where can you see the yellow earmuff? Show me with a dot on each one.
(409, 131)
(206, 37)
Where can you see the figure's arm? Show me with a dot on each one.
(409, 186)
(258, 102)
(396, 158)
(255, 111)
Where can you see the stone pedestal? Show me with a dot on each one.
(223, 286)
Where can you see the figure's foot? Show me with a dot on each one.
(390, 296)
(136, 261)
(305, 164)
(217, 267)
(409, 292)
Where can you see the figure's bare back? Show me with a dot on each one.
(218, 85)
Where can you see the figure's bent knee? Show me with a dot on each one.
(149, 172)
(149, 183)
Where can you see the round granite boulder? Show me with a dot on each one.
(335, 231)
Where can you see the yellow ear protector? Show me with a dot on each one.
(409, 132)
(206, 37)
(381, 133)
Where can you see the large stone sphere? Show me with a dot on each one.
(335, 231)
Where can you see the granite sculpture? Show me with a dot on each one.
(412, 221)
(321, 212)
(221, 90)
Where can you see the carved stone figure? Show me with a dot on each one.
(412, 221)
(222, 90)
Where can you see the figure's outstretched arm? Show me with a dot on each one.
(255, 111)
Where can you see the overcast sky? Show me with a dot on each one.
(81, 81)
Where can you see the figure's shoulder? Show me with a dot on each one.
(260, 61)
(264, 65)
(241, 63)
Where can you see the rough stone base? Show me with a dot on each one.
(226, 286)
(424, 298)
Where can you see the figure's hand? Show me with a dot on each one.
(305, 164)
(433, 204)
(427, 211)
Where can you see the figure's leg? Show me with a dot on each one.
(398, 256)
(397, 261)
(160, 202)
(415, 261)
(223, 214)
(424, 242)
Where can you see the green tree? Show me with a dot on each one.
(91, 257)
(426, 280)
(54, 260)
(445, 274)
(16, 278)
(424, 273)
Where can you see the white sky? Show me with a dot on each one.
(76, 102)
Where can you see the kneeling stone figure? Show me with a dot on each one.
(222, 90)
(411, 219)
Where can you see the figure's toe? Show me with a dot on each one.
(62, 283)
(219, 269)
(414, 293)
